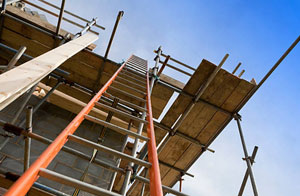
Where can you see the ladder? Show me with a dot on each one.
(136, 69)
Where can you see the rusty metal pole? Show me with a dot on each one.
(62, 9)
(120, 14)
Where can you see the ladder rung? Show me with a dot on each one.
(127, 94)
(129, 87)
(115, 127)
(120, 112)
(133, 73)
(102, 148)
(136, 71)
(51, 175)
(131, 83)
(136, 64)
(138, 61)
(131, 77)
(139, 108)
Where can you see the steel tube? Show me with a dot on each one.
(122, 113)
(107, 150)
(69, 150)
(3, 6)
(126, 103)
(144, 185)
(75, 183)
(236, 68)
(28, 139)
(30, 57)
(178, 90)
(42, 101)
(131, 83)
(127, 94)
(120, 14)
(140, 68)
(132, 77)
(176, 61)
(133, 153)
(18, 113)
(242, 72)
(87, 157)
(86, 28)
(62, 8)
(113, 178)
(16, 57)
(182, 135)
(247, 158)
(38, 185)
(56, 15)
(246, 99)
(177, 69)
(115, 127)
(129, 87)
(134, 72)
(49, 189)
(192, 104)
(247, 172)
(165, 188)
(136, 141)
(154, 171)
(137, 65)
(70, 13)
(163, 65)
(23, 184)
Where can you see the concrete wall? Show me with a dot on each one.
(49, 121)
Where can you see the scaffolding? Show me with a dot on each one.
(122, 98)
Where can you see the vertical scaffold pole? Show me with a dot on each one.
(62, 9)
(28, 139)
(237, 117)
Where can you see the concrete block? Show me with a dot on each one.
(94, 170)
(68, 171)
(12, 165)
(65, 158)
(67, 189)
(13, 150)
(50, 183)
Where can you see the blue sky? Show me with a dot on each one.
(255, 33)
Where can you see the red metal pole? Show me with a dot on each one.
(24, 183)
(154, 173)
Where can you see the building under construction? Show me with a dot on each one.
(74, 122)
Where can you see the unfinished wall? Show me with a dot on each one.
(49, 121)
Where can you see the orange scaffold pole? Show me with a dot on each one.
(154, 172)
(24, 183)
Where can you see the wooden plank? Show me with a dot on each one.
(171, 81)
(18, 80)
(217, 93)
(73, 105)
(80, 72)
(199, 77)
(213, 126)
(203, 123)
